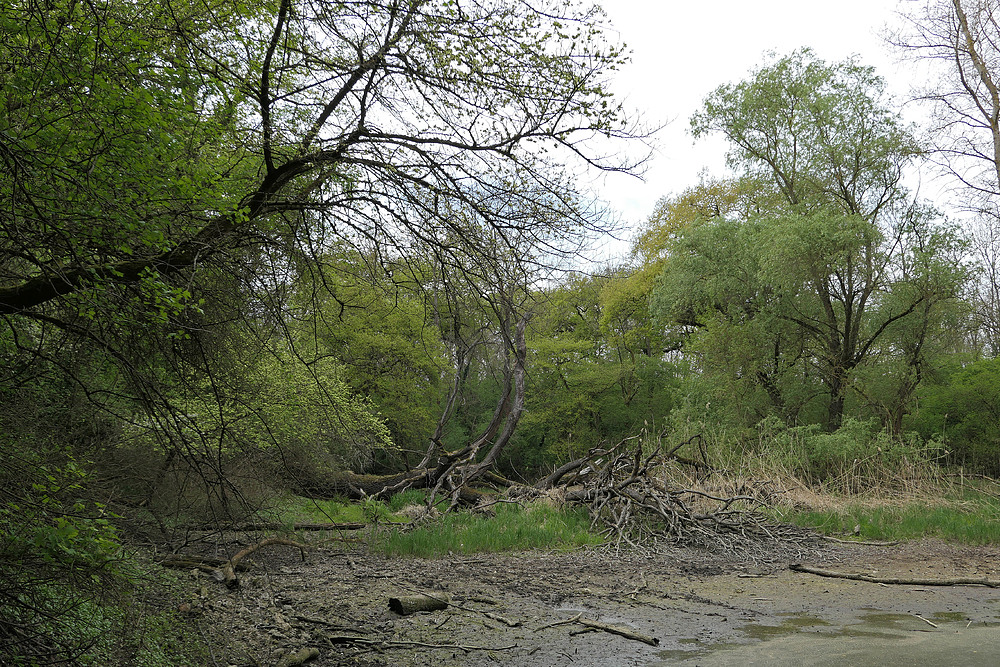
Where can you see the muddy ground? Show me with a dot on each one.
(700, 607)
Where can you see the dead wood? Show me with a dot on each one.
(452, 473)
(411, 604)
(488, 614)
(604, 627)
(228, 570)
(897, 581)
(300, 657)
(347, 639)
(620, 631)
(225, 570)
(631, 501)
(258, 527)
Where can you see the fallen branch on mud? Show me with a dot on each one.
(432, 602)
(898, 581)
(604, 627)
(398, 643)
(225, 570)
(404, 605)
(229, 569)
(257, 527)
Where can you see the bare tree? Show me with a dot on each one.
(960, 39)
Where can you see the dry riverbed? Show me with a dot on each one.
(698, 607)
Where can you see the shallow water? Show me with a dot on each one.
(884, 639)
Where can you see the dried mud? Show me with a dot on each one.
(702, 607)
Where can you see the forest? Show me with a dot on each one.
(341, 250)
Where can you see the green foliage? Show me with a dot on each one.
(822, 132)
(383, 334)
(791, 298)
(968, 522)
(310, 411)
(512, 528)
(596, 370)
(859, 457)
(59, 558)
(964, 411)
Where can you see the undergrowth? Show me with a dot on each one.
(960, 513)
(511, 528)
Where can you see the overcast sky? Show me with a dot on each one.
(682, 50)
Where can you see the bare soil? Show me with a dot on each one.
(696, 603)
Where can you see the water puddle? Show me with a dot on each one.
(875, 637)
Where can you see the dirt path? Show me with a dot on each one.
(701, 607)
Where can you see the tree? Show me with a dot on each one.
(370, 115)
(380, 327)
(163, 160)
(169, 170)
(963, 38)
(596, 369)
(965, 35)
(817, 278)
(964, 410)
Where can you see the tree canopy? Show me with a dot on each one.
(818, 279)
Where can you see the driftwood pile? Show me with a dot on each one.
(633, 499)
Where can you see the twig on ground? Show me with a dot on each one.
(899, 581)
(604, 627)
(399, 643)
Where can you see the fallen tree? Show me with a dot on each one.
(632, 500)
(452, 473)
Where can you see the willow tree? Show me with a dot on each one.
(840, 258)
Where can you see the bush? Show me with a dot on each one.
(59, 554)
(859, 456)
(964, 412)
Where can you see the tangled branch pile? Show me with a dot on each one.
(632, 496)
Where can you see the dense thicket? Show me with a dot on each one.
(224, 226)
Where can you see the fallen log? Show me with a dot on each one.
(620, 631)
(251, 527)
(895, 581)
(300, 657)
(604, 627)
(411, 604)
(400, 643)
(228, 570)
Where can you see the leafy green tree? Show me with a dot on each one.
(368, 114)
(171, 169)
(381, 329)
(597, 372)
(817, 282)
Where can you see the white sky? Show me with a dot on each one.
(684, 49)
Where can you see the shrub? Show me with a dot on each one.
(964, 411)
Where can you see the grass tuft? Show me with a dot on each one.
(961, 514)
(512, 528)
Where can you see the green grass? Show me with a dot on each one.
(970, 518)
(511, 529)
(296, 509)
